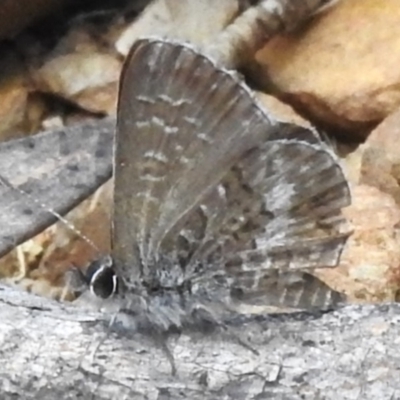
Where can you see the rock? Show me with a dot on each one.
(14, 93)
(196, 22)
(89, 79)
(342, 69)
(370, 264)
(380, 160)
(369, 268)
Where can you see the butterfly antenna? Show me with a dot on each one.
(5, 182)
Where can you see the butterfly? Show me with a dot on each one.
(216, 202)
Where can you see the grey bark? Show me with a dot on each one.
(51, 350)
(54, 170)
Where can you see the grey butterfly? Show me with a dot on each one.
(216, 203)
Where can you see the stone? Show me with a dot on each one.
(341, 69)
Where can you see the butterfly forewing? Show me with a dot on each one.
(182, 123)
(206, 179)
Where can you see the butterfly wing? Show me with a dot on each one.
(301, 190)
(215, 182)
(273, 217)
(181, 124)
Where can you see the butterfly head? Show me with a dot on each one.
(101, 278)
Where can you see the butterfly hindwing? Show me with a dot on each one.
(267, 214)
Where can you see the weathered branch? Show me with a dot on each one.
(58, 168)
(51, 350)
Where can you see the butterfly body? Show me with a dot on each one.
(163, 301)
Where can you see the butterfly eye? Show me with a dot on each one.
(102, 279)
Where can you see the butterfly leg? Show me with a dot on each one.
(162, 342)
(207, 321)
